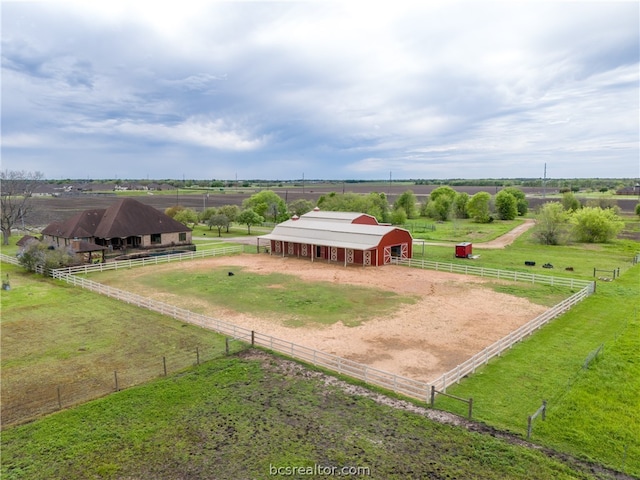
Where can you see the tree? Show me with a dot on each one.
(187, 216)
(40, 254)
(173, 211)
(460, 205)
(407, 201)
(441, 203)
(219, 221)
(444, 191)
(570, 202)
(596, 225)
(506, 205)
(478, 207)
(267, 203)
(439, 209)
(398, 216)
(521, 199)
(374, 204)
(16, 190)
(207, 214)
(552, 224)
(300, 207)
(249, 217)
(638, 209)
(231, 212)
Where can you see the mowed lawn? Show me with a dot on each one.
(55, 335)
(276, 296)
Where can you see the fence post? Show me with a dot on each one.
(59, 399)
(433, 395)
(470, 407)
(529, 427)
(544, 410)
(197, 356)
(253, 338)
(115, 376)
(164, 365)
(226, 345)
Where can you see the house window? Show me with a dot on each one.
(182, 237)
(156, 238)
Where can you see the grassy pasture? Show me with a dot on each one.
(582, 258)
(57, 335)
(455, 230)
(594, 411)
(271, 295)
(244, 417)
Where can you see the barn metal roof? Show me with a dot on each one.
(330, 234)
(328, 216)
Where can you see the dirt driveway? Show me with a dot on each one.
(454, 317)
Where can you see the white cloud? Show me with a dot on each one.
(344, 87)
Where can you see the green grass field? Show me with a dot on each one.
(271, 295)
(594, 412)
(581, 258)
(243, 418)
(55, 335)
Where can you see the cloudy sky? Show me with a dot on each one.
(321, 90)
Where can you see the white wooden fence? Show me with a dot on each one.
(406, 386)
(514, 276)
(155, 260)
(7, 259)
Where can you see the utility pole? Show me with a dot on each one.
(544, 182)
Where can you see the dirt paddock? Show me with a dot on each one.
(453, 318)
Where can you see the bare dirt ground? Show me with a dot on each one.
(453, 318)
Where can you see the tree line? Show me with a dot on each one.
(599, 222)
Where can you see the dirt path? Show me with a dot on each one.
(509, 237)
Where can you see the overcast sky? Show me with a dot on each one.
(321, 90)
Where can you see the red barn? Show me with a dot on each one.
(346, 237)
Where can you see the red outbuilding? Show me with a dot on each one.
(345, 237)
(464, 250)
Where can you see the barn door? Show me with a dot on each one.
(405, 251)
(387, 255)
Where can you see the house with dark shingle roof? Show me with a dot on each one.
(127, 224)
